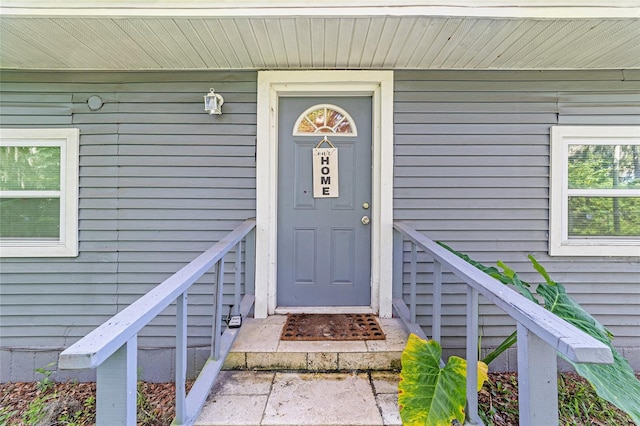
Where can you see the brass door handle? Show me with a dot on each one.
(365, 220)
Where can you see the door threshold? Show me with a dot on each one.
(282, 310)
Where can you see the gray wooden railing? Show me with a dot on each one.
(540, 333)
(112, 347)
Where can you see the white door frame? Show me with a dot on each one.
(272, 85)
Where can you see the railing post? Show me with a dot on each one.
(217, 309)
(414, 269)
(250, 262)
(237, 282)
(537, 380)
(116, 391)
(436, 328)
(398, 260)
(181, 358)
(472, 356)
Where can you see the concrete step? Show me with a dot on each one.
(258, 347)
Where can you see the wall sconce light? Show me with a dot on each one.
(213, 102)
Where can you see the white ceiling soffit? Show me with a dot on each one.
(287, 34)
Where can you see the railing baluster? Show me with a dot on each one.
(250, 262)
(116, 391)
(238, 280)
(436, 329)
(217, 309)
(414, 268)
(472, 355)
(181, 357)
(537, 380)
(398, 260)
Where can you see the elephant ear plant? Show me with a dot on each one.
(615, 382)
(429, 394)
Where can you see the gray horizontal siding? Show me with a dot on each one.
(160, 182)
(472, 170)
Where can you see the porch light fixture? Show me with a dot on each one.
(213, 102)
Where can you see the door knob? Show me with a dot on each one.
(365, 220)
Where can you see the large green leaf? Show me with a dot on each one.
(557, 300)
(489, 270)
(428, 394)
(615, 382)
(507, 277)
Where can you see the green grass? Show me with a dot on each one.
(578, 403)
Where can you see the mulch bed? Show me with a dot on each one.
(332, 327)
(156, 402)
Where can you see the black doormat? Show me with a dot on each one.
(332, 327)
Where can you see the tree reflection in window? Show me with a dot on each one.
(325, 119)
(601, 178)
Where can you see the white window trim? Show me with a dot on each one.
(68, 141)
(559, 242)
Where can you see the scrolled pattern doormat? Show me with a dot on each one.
(332, 327)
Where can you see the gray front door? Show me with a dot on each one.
(324, 248)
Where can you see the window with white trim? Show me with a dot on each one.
(595, 191)
(39, 192)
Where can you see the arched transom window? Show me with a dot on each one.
(325, 119)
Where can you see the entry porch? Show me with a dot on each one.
(112, 347)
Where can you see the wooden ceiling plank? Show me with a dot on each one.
(258, 41)
(466, 48)
(346, 31)
(389, 33)
(200, 40)
(290, 44)
(316, 32)
(305, 44)
(358, 41)
(229, 28)
(277, 44)
(556, 47)
(26, 54)
(459, 28)
(602, 41)
(423, 53)
(204, 40)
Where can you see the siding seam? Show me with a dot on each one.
(117, 194)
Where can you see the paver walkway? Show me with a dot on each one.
(290, 398)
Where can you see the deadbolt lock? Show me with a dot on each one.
(365, 220)
(365, 205)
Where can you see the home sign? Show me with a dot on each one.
(325, 170)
